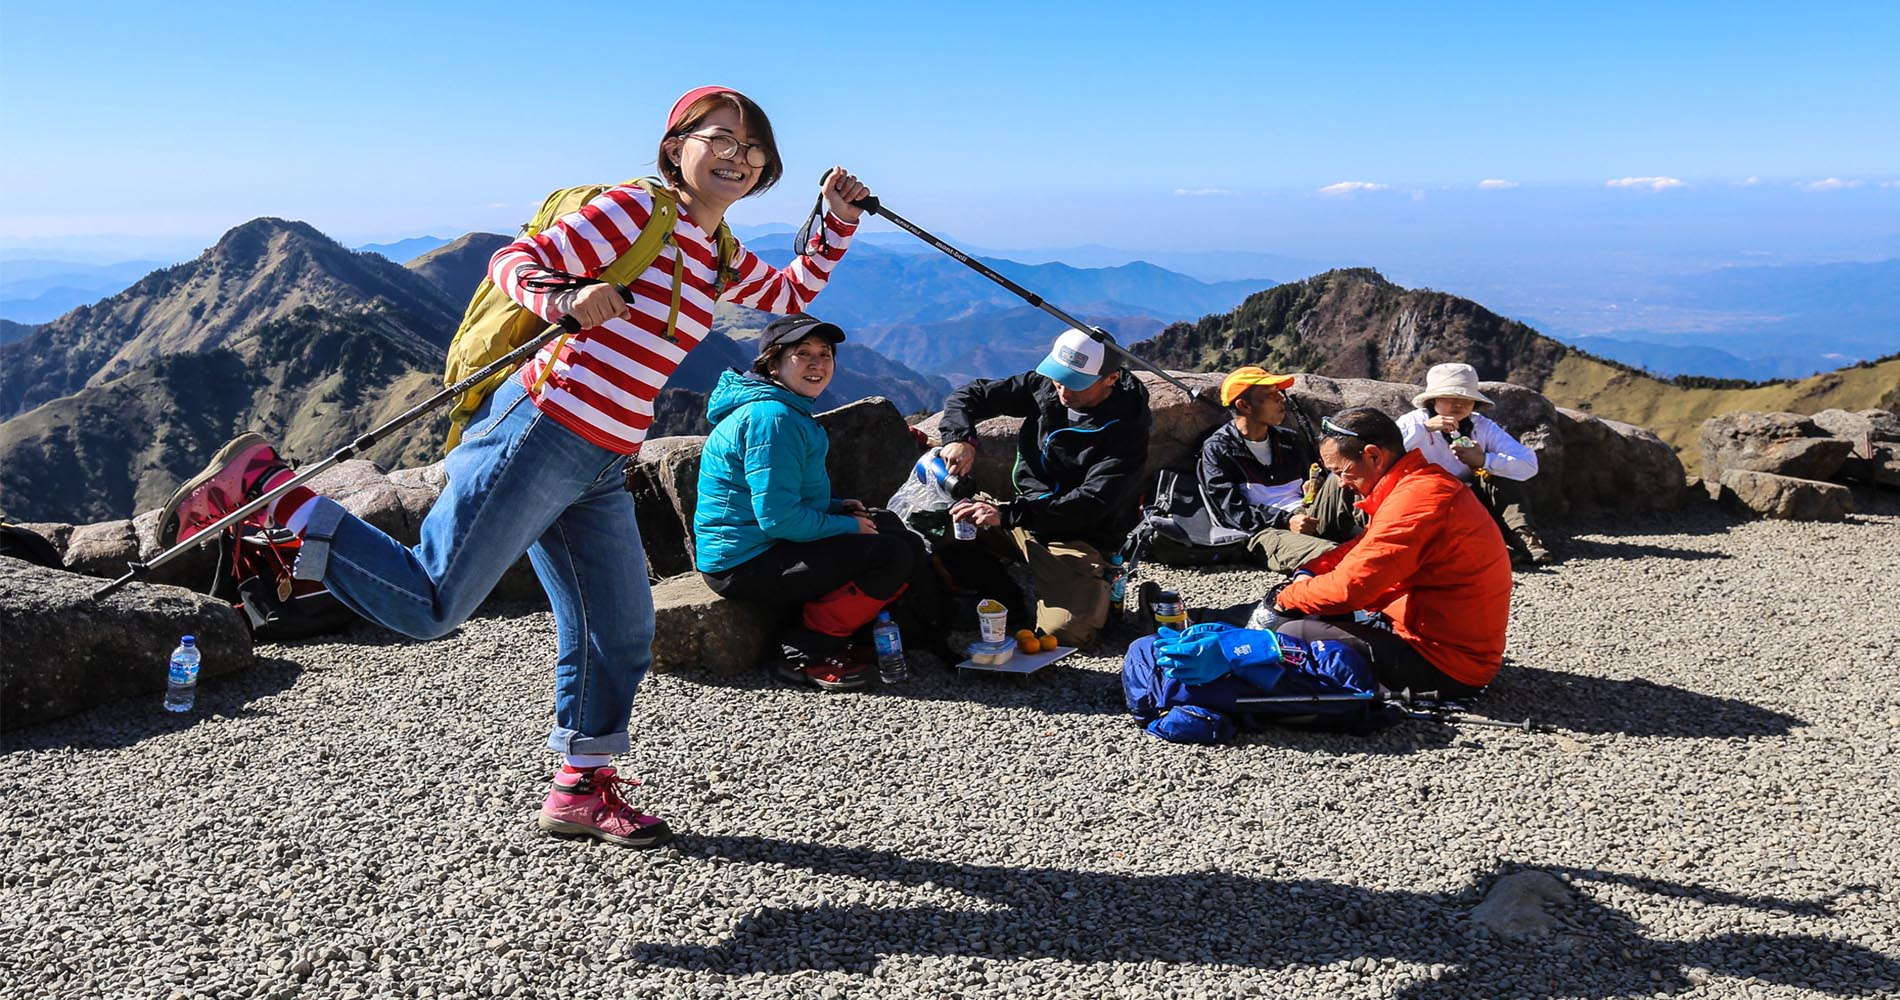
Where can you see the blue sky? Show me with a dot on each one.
(1177, 126)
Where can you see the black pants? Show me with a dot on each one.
(795, 574)
(1397, 665)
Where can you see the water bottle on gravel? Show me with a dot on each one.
(892, 666)
(182, 688)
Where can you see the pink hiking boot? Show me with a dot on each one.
(242, 470)
(588, 804)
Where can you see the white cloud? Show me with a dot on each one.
(1200, 192)
(1652, 183)
(1496, 185)
(497, 204)
(1418, 196)
(1748, 182)
(1890, 184)
(1351, 187)
(1830, 184)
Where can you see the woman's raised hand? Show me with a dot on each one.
(841, 189)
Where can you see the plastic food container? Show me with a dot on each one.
(991, 654)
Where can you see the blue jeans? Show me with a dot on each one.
(518, 481)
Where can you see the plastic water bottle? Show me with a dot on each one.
(1117, 585)
(182, 687)
(892, 666)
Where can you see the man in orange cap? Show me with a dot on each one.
(1253, 475)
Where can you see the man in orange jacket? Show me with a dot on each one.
(1431, 561)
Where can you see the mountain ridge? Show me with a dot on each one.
(262, 270)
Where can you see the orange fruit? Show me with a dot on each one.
(1048, 643)
(1024, 635)
(1027, 642)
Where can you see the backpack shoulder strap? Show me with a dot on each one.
(654, 236)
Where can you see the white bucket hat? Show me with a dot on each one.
(1459, 381)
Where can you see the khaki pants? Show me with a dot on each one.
(1071, 586)
(1285, 551)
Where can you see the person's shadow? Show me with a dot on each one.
(1221, 918)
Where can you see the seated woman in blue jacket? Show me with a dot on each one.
(767, 528)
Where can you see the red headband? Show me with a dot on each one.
(686, 101)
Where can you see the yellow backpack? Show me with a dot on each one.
(495, 324)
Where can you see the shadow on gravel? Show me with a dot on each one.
(1637, 707)
(1590, 548)
(1212, 917)
(130, 720)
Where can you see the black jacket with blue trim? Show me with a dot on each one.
(1075, 481)
(1226, 466)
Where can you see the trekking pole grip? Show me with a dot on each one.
(572, 325)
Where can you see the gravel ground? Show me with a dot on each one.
(353, 818)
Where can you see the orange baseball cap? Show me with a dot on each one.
(1246, 377)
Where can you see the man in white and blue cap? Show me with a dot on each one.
(1077, 478)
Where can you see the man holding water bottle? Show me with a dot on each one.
(1077, 478)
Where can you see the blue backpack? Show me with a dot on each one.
(1217, 711)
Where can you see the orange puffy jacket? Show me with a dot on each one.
(1432, 560)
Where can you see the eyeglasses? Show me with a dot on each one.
(726, 147)
(1326, 424)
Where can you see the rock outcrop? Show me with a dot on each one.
(67, 651)
(1786, 497)
(1785, 444)
(1777, 464)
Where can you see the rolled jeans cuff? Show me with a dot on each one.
(569, 741)
(313, 557)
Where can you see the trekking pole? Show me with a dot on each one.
(368, 440)
(1413, 706)
(875, 207)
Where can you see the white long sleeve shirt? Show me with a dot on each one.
(1504, 455)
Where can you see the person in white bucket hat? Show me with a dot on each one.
(1448, 429)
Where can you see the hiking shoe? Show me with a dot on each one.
(1530, 549)
(832, 673)
(588, 804)
(238, 473)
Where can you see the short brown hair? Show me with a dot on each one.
(751, 118)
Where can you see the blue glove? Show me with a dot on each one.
(1189, 657)
(1206, 652)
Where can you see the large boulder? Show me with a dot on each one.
(67, 651)
(58, 533)
(1784, 444)
(1853, 428)
(695, 628)
(664, 481)
(1611, 465)
(872, 449)
(1785, 497)
(1180, 422)
(103, 549)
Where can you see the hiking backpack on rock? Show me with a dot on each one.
(495, 324)
(254, 576)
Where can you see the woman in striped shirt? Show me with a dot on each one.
(539, 468)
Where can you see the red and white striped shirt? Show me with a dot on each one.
(605, 379)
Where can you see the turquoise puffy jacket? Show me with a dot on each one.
(762, 475)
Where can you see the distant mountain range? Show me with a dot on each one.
(1354, 323)
(34, 291)
(106, 407)
(104, 410)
